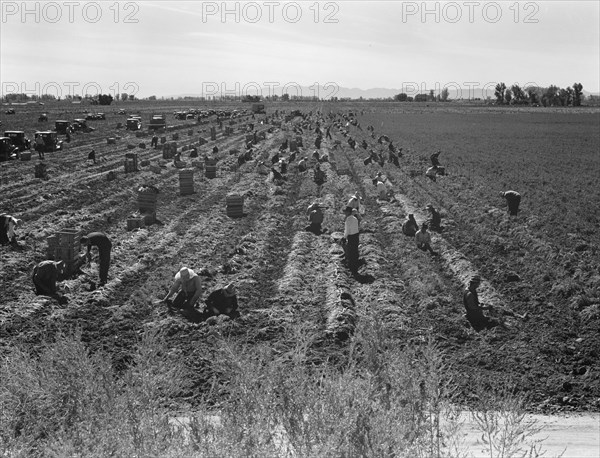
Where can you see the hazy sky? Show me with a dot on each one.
(169, 48)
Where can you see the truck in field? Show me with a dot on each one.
(157, 122)
(258, 108)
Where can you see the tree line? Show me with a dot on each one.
(548, 97)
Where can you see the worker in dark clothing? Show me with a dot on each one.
(410, 226)
(513, 199)
(350, 241)
(45, 275)
(8, 223)
(436, 219)
(318, 142)
(222, 301)
(100, 240)
(435, 161)
(474, 309)
(92, 156)
(315, 218)
(154, 142)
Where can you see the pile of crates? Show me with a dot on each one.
(235, 205)
(213, 133)
(186, 182)
(210, 168)
(147, 196)
(65, 246)
(131, 162)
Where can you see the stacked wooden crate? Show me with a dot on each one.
(235, 205)
(147, 197)
(41, 171)
(213, 133)
(131, 162)
(65, 246)
(210, 168)
(186, 182)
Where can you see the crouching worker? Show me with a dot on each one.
(222, 301)
(315, 218)
(188, 287)
(45, 275)
(474, 310)
(423, 239)
(8, 224)
(410, 226)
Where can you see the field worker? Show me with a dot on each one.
(513, 199)
(215, 149)
(302, 164)
(319, 175)
(431, 172)
(351, 239)
(188, 286)
(436, 219)
(315, 218)
(423, 239)
(283, 165)
(355, 203)
(318, 142)
(102, 242)
(262, 168)
(435, 159)
(45, 275)
(39, 146)
(328, 133)
(474, 310)
(410, 226)
(92, 156)
(222, 301)
(154, 141)
(8, 224)
(381, 189)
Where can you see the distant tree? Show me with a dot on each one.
(431, 95)
(124, 96)
(402, 97)
(105, 99)
(532, 94)
(285, 97)
(499, 93)
(131, 97)
(551, 96)
(421, 98)
(508, 96)
(445, 94)
(519, 97)
(152, 97)
(577, 91)
(410, 99)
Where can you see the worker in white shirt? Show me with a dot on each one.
(351, 239)
(431, 173)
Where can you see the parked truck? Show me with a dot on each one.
(157, 122)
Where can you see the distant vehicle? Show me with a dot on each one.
(190, 116)
(134, 124)
(122, 111)
(7, 150)
(95, 116)
(61, 126)
(10, 111)
(157, 122)
(258, 108)
(51, 141)
(18, 139)
(43, 118)
(180, 115)
(81, 124)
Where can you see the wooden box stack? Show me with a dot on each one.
(210, 168)
(111, 141)
(213, 133)
(175, 136)
(235, 205)
(299, 140)
(147, 206)
(26, 155)
(131, 162)
(293, 146)
(186, 182)
(202, 141)
(65, 246)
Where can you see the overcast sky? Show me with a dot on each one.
(169, 48)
